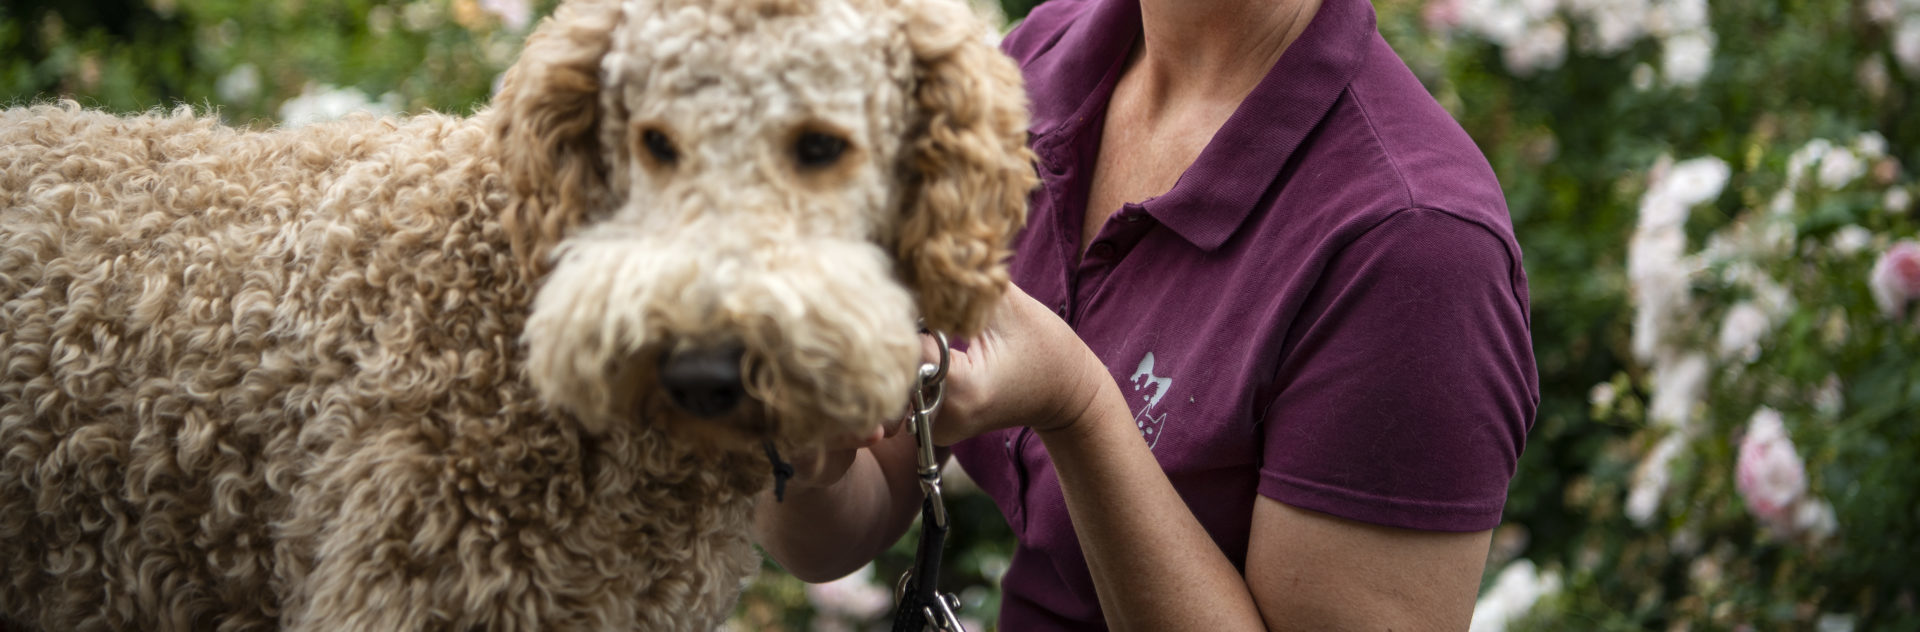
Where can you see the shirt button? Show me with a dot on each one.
(1130, 217)
(1100, 250)
(1062, 309)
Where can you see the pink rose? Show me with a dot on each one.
(1769, 473)
(1441, 16)
(1896, 278)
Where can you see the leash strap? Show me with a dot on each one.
(919, 604)
(782, 472)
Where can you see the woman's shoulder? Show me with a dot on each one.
(1433, 163)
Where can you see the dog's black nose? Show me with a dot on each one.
(705, 381)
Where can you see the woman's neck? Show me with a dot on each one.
(1213, 49)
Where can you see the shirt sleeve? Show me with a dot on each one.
(1407, 384)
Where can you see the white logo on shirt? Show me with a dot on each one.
(1149, 388)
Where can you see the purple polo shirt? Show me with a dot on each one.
(1328, 309)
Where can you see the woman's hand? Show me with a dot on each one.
(850, 501)
(1027, 369)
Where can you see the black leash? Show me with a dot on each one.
(919, 604)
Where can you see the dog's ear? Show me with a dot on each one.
(546, 120)
(968, 167)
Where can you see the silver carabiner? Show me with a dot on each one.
(943, 619)
(946, 356)
(929, 463)
(932, 379)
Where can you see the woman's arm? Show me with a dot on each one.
(1305, 570)
(843, 508)
(1315, 571)
(1119, 497)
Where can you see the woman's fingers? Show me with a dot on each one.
(1028, 368)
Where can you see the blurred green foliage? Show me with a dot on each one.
(132, 55)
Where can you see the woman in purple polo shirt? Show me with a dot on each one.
(1270, 367)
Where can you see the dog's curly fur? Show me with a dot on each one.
(400, 374)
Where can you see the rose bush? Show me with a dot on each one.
(1716, 206)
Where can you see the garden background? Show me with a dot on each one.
(1715, 200)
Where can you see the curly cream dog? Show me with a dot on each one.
(506, 372)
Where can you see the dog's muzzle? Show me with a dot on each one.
(805, 340)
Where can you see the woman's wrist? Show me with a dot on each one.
(1101, 405)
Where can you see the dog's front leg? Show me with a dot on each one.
(409, 534)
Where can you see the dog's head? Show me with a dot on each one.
(737, 209)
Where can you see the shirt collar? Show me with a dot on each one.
(1217, 193)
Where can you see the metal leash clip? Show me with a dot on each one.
(921, 606)
(944, 619)
(932, 379)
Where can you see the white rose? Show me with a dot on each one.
(1677, 387)
(1815, 518)
(1542, 47)
(514, 14)
(1906, 45)
(854, 596)
(1839, 168)
(1513, 593)
(1650, 480)
(1806, 156)
(1740, 333)
(1897, 200)
(320, 103)
(1687, 57)
(1851, 239)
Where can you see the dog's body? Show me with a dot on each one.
(245, 369)
(408, 374)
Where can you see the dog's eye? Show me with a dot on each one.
(814, 149)
(660, 146)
